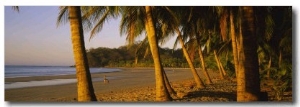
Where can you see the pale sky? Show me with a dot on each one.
(32, 38)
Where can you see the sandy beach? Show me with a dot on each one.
(128, 85)
(126, 79)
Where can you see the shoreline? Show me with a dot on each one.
(136, 85)
(70, 76)
(127, 78)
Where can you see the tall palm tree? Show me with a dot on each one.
(133, 24)
(85, 88)
(248, 82)
(161, 90)
(244, 36)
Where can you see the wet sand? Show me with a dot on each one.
(127, 79)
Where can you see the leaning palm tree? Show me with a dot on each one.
(133, 25)
(85, 88)
(190, 29)
(203, 23)
(172, 25)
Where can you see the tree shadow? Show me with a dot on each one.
(231, 96)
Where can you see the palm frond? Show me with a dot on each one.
(16, 8)
(63, 16)
(176, 42)
(99, 25)
(132, 23)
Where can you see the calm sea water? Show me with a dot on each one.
(28, 71)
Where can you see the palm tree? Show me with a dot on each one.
(133, 25)
(172, 25)
(192, 28)
(85, 88)
(244, 36)
(248, 82)
(198, 81)
(234, 41)
(161, 90)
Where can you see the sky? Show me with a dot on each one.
(33, 38)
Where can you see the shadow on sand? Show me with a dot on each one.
(231, 96)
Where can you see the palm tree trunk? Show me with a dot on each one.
(136, 59)
(168, 85)
(269, 67)
(198, 81)
(222, 68)
(234, 43)
(84, 82)
(203, 65)
(279, 59)
(161, 90)
(248, 82)
(219, 66)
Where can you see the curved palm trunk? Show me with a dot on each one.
(161, 90)
(248, 82)
(222, 68)
(198, 81)
(85, 88)
(168, 85)
(203, 64)
(219, 66)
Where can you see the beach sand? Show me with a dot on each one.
(127, 79)
(128, 85)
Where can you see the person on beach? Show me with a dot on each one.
(105, 80)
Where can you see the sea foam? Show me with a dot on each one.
(39, 83)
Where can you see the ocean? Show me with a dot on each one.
(30, 71)
(12, 71)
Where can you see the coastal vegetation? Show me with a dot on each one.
(126, 57)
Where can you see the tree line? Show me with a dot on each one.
(127, 57)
